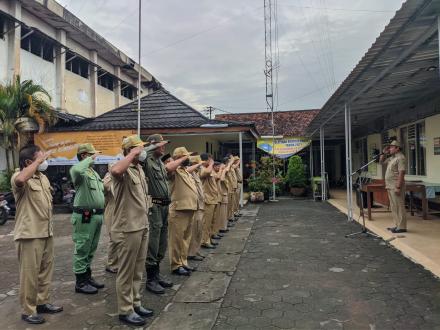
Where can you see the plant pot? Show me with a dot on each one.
(256, 197)
(26, 124)
(297, 191)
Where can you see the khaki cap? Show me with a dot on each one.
(132, 141)
(182, 152)
(395, 143)
(195, 159)
(156, 138)
(87, 148)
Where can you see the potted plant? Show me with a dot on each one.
(296, 176)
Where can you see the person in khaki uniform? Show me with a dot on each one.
(209, 178)
(221, 216)
(184, 203)
(232, 187)
(33, 234)
(197, 225)
(395, 184)
(109, 209)
(239, 177)
(130, 229)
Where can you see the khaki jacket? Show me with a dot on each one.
(223, 191)
(131, 201)
(109, 195)
(33, 217)
(184, 194)
(395, 164)
(210, 186)
(200, 191)
(238, 175)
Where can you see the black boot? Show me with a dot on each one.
(82, 284)
(92, 281)
(162, 280)
(152, 284)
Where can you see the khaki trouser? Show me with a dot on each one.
(209, 223)
(132, 252)
(221, 217)
(179, 236)
(237, 199)
(35, 257)
(197, 232)
(230, 209)
(397, 206)
(112, 254)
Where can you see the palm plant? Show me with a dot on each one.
(21, 99)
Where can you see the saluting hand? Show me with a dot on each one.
(42, 156)
(136, 151)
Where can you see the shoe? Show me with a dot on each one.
(181, 272)
(92, 281)
(391, 228)
(396, 231)
(132, 319)
(195, 258)
(230, 224)
(224, 230)
(214, 243)
(110, 270)
(49, 309)
(200, 255)
(33, 319)
(144, 312)
(162, 280)
(208, 246)
(221, 235)
(215, 237)
(189, 269)
(85, 288)
(154, 287)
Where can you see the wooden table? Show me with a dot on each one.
(371, 188)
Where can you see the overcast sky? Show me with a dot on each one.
(210, 52)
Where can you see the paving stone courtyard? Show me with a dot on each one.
(285, 265)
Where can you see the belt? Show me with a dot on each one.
(161, 201)
(81, 210)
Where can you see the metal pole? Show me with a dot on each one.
(253, 157)
(240, 142)
(347, 164)
(321, 146)
(139, 73)
(273, 159)
(311, 160)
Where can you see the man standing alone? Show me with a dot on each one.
(395, 184)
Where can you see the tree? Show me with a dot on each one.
(22, 99)
(296, 176)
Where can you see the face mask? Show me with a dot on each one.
(186, 163)
(43, 166)
(142, 156)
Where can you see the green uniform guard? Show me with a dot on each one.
(87, 217)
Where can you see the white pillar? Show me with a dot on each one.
(323, 178)
(240, 145)
(311, 160)
(14, 41)
(253, 156)
(60, 65)
(93, 84)
(348, 162)
(117, 86)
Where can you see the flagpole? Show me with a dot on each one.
(139, 74)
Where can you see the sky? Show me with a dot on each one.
(211, 53)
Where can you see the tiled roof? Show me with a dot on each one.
(287, 123)
(160, 109)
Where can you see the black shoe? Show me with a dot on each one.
(189, 269)
(111, 270)
(215, 237)
(49, 309)
(165, 283)
(208, 246)
(86, 288)
(144, 312)
(154, 287)
(195, 258)
(391, 228)
(181, 271)
(397, 231)
(221, 235)
(214, 243)
(33, 319)
(230, 224)
(223, 230)
(132, 319)
(95, 284)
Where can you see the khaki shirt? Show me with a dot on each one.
(229, 181)
(395, 163)
(131, 205)
(200, 192)
(109, 200)
(210, 186)
(184, 195)
(238, 175)
(223, 190)
(33, 216)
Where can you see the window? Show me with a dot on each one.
(37, 44)
(2, 26)
(413, 142)
(105, 79)
(77, 65)
(128, 91)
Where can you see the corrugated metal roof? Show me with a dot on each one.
(399, 70)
